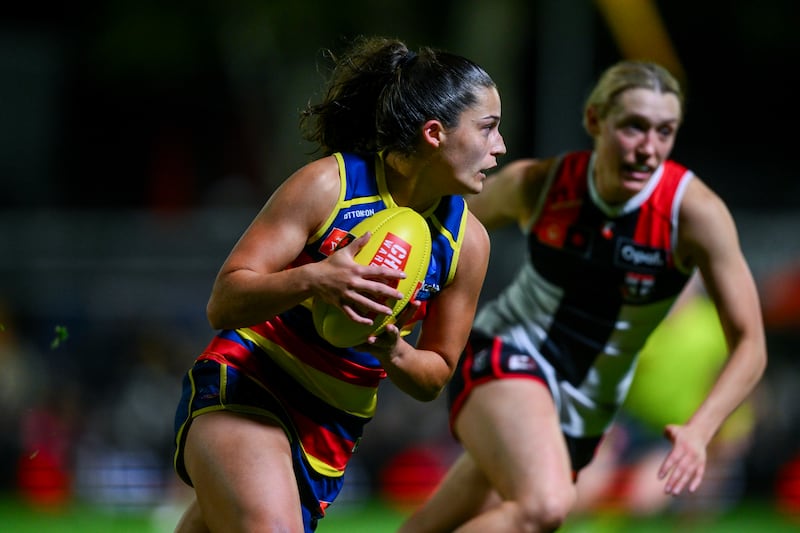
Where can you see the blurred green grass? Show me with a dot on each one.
(377, 517)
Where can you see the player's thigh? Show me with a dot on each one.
(241, 468)
(511, 429)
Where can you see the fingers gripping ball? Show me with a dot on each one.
(400, 240)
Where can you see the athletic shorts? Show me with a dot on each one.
(486, 359)
(211, 386)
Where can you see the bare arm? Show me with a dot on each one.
(510, 194)
(424, 370)
(708, 238)
(253, 285)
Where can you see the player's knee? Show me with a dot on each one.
(548, 511)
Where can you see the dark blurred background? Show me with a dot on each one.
(122, 104)
(138, 139)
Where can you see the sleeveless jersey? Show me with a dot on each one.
(597, 281)
(330, 393)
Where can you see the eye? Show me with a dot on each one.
(666, 131)
(633, 124)
(631, 129)
(488, 128)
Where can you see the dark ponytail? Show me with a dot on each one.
(380, 93)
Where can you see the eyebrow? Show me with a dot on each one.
(640, 116)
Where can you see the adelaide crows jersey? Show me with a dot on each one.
(328, 394)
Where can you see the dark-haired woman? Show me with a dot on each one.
(271, 413)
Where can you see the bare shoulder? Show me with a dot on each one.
(706, 226)
(310, 192)
(477, 237)
(320, 176)
(701, 206)
(473, 259)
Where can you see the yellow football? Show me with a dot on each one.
(400, 240)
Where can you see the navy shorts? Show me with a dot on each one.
(212, 386)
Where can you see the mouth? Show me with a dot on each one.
(484, 172)
(638, 171)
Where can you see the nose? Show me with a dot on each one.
(647, 144)
(500, 145)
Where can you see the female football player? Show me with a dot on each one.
(613, 235)
(271, 412)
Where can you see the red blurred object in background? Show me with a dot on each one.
(410, 477)
(787, 487)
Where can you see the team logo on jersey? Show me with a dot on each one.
(550, 233)
(521, 363)
(639, 257)
(427, 291)
(337, 238)
(638, 286)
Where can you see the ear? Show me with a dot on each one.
(592, 121)
(433, 133)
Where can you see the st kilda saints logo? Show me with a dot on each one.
(637, 286)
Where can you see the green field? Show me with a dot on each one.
(375, 517)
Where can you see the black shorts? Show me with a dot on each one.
(486, 359)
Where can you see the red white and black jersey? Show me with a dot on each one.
(598, 279)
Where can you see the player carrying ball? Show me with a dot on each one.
(270, 412)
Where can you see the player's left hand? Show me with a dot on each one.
(686, 463)
(382, 346)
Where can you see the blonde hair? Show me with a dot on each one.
(626, 75)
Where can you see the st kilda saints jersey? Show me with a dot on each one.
(598, 279)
